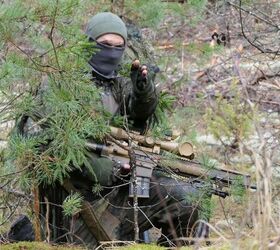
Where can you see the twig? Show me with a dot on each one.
(37, 65)
(15, 173)
(253, 14)
(17, 193)
(268, 51)
(169, 241)
(7, 183)
(226, 217)
(135, 195)
(132, 163)
(264, 76)
(50, 36)
(12, 212)
(37, 214)
(213, 228)
(47, 219)
(10, 102)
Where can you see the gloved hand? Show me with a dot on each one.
(142, 77)
(122, 169)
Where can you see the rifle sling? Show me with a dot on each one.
(89, 216)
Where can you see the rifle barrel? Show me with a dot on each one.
(194, 169)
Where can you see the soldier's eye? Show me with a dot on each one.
(106, 43)
(112, 45)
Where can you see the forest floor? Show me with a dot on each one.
(202, 74)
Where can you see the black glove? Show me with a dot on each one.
(142, 77)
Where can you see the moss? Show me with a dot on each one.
(242, 243)
(142, 247)
(36, 246)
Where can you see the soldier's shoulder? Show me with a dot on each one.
(138, 47)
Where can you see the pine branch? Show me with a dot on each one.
(38, 66)
(50, 36)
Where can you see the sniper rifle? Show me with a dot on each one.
(150, 154)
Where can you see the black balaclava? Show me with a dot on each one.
(106, 59)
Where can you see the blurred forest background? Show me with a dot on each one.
(219, 60)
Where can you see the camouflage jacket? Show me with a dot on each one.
(120, 97)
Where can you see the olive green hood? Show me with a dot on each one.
(105, 23)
